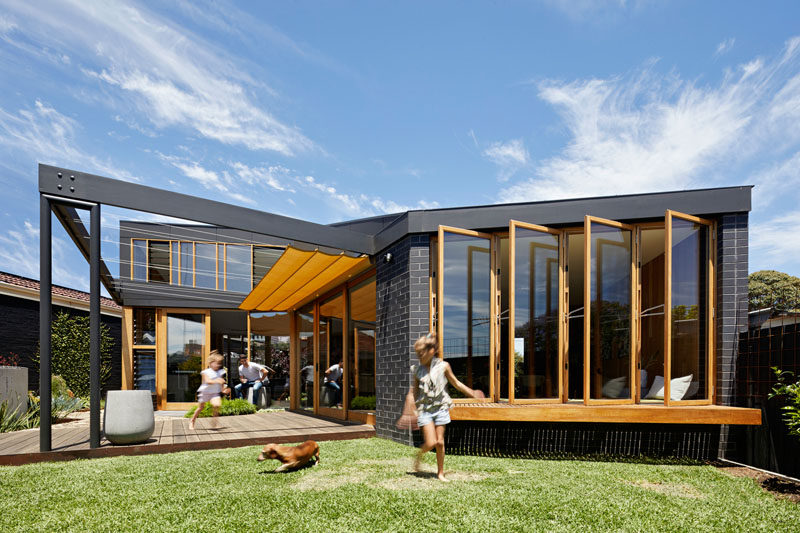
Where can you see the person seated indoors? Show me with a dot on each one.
(251, 375)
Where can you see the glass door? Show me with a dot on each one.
(184, 355)
(536, 282)
(466, 312)
(608, 326)
(688, 325)
(332, 349)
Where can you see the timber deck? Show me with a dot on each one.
(628, 414)
(173, 434)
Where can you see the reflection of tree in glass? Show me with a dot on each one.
(683, 312)
(615, 323)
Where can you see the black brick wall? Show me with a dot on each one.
(19, 333)
(732, 270)
(402, 316)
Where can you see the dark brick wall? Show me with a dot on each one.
(402, 317)
(19, 333)
(732, 270)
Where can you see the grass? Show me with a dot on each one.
(365, 485)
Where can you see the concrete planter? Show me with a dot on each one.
(128, 417)
(14, 388)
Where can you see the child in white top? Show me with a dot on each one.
(427, 402)
(211, 388)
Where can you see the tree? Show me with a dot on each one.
(770, 288)
(69, 351)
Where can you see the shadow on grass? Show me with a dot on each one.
(307, 465)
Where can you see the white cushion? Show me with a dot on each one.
(613, 387)
(677, 388)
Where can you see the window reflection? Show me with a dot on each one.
(185, 349)
(330, 352)
(361, 349)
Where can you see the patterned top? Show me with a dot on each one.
(431, 387)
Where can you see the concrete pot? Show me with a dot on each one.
(14, 388)
(128, 417)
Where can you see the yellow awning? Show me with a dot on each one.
(299, 275)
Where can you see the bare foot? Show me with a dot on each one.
(442, 478)
(191, 425)
(416, 466)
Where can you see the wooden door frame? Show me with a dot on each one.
(559, 234)
(710, 308)
(161, 352)
(587, 270)
(492, 303)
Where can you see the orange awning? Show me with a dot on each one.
(300, 275)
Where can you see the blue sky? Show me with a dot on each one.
(333, 110)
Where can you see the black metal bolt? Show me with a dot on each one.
(59, 186)
(59, 175)
(71, 188)
(72, 177)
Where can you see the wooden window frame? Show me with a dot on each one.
(161, 352)
(710, 309)
(559, 234)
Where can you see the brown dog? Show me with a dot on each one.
(291, 456)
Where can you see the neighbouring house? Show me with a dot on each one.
(594, 325)
(19, 322)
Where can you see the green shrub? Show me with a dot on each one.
(58, 387)
(16, 421)
(70, 351)
(790, 391)
(363, 403)
(238, 406)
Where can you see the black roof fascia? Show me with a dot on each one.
(74, 185)
(699, 202)
(148, 294)
(73, 224)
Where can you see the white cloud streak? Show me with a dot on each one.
(725, 46)
(509, 157)
(171, 75)
(649, 132)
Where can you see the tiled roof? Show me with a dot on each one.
(29, 283)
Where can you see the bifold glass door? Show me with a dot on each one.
(688, 324)
(466, 307)
(536, 282)
(608, 325)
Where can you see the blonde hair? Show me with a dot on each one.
(215, 356)
(424, 343)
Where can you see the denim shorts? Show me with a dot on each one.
(439, 418)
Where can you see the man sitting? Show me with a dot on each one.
(251, 375)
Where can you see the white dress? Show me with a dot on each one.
(206, 391)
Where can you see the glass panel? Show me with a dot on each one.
(535, 314)
(652, 313)
(144, 370)
(504, 292)
(610, 300)
(575, 281)
(205, 265)
(237, 268)
(689, 310)
(305, 329)
(175, 252)
(330, 352)
(186, 335)
(187, 264)
(466, 309)
(361, 349)
(139, 260)
(144, 327)
(158, 262)
(263, 259)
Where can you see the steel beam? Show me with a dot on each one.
(45, 310)
(94, 327)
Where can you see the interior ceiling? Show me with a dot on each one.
(276, 325)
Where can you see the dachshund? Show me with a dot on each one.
(292, 457)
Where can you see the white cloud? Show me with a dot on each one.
(648, 132)
(725, 46)
(48, 136)
(275, 176)
(509, 157)
(774, 243)
(361, 205)
(171, 75)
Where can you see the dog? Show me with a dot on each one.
(291, 457)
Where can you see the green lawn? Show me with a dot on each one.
(365, 485)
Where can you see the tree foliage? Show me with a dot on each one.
(789, 390)
(69, 349)
(770, 288)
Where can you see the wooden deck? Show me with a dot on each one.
(172, 434)
(628, 414)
